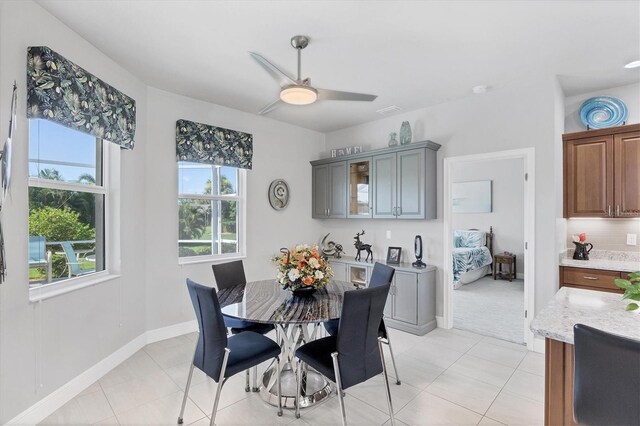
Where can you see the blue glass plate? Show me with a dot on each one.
(602, 112)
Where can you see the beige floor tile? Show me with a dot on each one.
(358, 413)
(450, 340)
(435, 354)
(464, 391)
(253, 411)
(415, 372)
(482, 369)
(161, 411)
(464, 333)
(505, 344)
(514, 410)
(397, 423)
(374, 392)
(138, 365)
(136, 392)
(202, 422)
(428, 409)
(526, 385)
(486, 421)
(402, 341)
(82, 410)
(203, 394)
(171, 356)
(179, 375)
(533, 363)
(498, 354)
(111, 421)
(95, 387)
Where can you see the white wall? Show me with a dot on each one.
(506, 118)
(507, 215)
(280, 151)
(44, 345)
(630, 94)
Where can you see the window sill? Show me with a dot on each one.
(48, 291)
(209, 259)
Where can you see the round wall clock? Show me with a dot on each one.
(279, 194)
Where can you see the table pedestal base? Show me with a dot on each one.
(315, 387)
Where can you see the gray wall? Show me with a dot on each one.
(507, 216)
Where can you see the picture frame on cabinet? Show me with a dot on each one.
(393, 255)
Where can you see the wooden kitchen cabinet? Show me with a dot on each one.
(602, 173)
(590, 279)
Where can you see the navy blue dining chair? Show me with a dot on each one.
(220, 356)
(355, 354)
(228, 275)
(606, 381)
(382, 274)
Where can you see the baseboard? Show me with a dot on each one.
(56, 399)
(440, 321)
(538, 345)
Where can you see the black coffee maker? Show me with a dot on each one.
(582, 252)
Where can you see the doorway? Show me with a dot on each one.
(489, 210)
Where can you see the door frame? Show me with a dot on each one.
(528, 157)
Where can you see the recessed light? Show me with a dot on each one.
(479, 89)
(633, 64)
(389, 110)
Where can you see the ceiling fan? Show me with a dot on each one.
(299, 91)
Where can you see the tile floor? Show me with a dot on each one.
(449, 377)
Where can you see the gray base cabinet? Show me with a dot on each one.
(411, 305)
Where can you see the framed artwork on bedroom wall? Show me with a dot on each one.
(471, 197)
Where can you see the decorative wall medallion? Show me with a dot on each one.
(279, 194)
(602, 112)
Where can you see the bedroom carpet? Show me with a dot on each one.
(492, 308)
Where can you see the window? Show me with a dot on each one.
(210, 204)
(67, 197)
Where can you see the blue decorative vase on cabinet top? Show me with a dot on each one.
(405, 133)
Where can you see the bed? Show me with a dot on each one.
(472, 255)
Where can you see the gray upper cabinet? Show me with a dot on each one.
(329, 198)
(390, 183)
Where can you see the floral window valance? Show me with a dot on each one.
(201, 143)
(61, 91)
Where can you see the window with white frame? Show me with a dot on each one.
(210, 211)
(67, 197)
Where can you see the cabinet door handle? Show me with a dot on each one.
(399, 211)
(591, 278)
(618, 210)
(609, 210)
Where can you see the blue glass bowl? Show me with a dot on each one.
(602, 112)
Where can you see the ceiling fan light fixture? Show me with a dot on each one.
(632, 64)
(299, 95)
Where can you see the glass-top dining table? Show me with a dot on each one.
(297, 320)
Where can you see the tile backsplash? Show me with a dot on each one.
(605, 234)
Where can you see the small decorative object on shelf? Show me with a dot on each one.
(360, 246)
(339, 152)
(581, 252)
(279, 194)
(602, 112)
(330, 248)
(302, 270)
(393, 255)
(393, 139)
(417, 247)
(631, 287)
(339, 250)
(405, 133)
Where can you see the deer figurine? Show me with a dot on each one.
(360, 246)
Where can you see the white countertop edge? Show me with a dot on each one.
(602, 264)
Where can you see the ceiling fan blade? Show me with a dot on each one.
(273, 105)
(336, 95)
(282, 78)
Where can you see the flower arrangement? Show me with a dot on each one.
(302, 267)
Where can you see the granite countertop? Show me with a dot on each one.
(598, 309)
(403, 266)
(604, 259)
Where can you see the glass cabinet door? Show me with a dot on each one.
(359, 188)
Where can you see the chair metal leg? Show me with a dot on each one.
(221, 381)
(279, 386)
(299, 385)
(186, 389)
(247, 388)
(336, 371)
(255, 379)
(393, 359)
(386, 382)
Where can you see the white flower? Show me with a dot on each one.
(294, 274)
(280, 275)
(319, 275)
(313, 262)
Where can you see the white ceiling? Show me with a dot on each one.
(410, 54)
